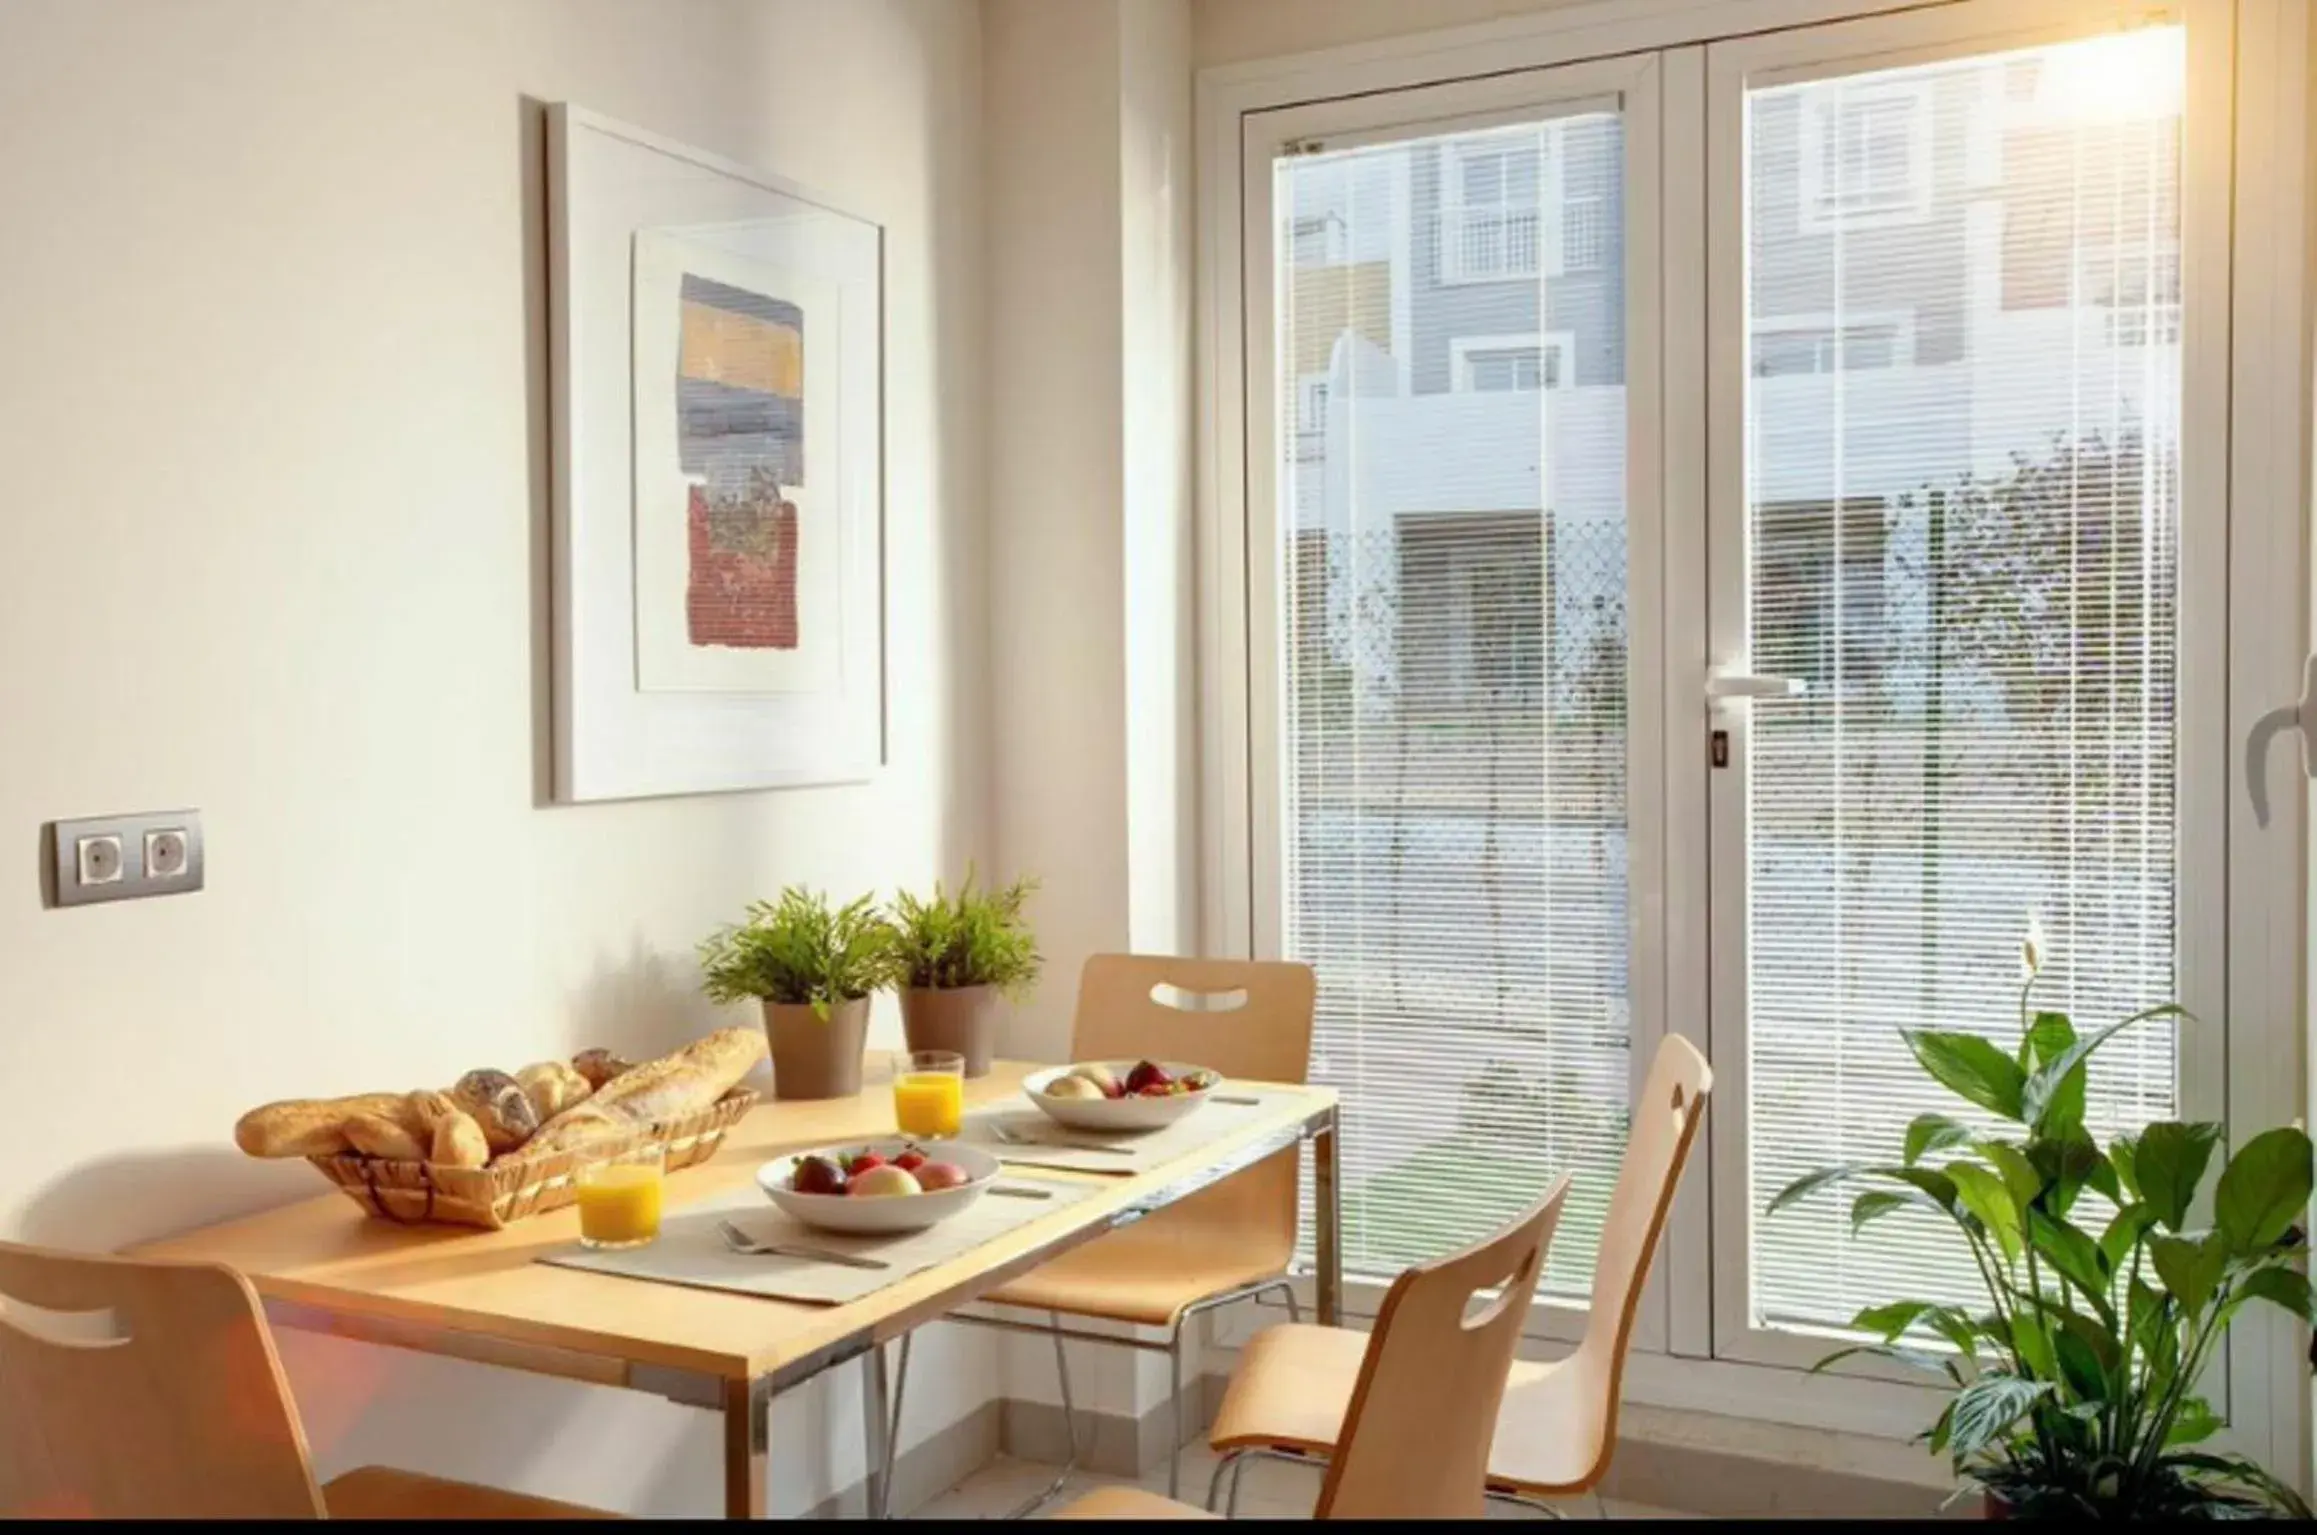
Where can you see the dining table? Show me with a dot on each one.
(324, 1265)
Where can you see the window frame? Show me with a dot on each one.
(1558, 344)
(2270, 934)
(1817, 214)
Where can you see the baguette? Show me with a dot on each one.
(312, 1127)
(692, 1078)
(453, 1138)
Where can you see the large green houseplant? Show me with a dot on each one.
(957, 955)
(813, 967)
(2075, 1387)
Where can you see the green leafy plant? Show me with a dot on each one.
(974, 938)
(800, 950)
(2075, 1390)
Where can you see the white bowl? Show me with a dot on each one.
(888, 1214)
(1129, 1113)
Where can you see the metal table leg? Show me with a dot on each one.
(1328, 1211)
(747, 1437)
(874, 1421)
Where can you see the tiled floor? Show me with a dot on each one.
(1270, 1491)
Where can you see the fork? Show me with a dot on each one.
(741, 1242)
(1013, 1137)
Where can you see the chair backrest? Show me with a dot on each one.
(1416, 1436)
(1665, 1122)
(1244, 1018)
(142, 1390)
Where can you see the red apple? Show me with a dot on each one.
(1144, 1075)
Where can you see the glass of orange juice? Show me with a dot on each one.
(929, 1093)
(619, 1199)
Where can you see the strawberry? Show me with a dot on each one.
(911, 1160)
(863, 1163)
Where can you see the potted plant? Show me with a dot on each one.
(814, 969)
(956, 956)
(2075, 1388)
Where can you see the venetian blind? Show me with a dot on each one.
(1963, 433)
(1453, 567)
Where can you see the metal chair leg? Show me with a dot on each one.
(1175, 1398)
(1036, 1501)
(1294, 1310)
(1238, 1472)
(1537, 1505)
(1215, 1482)
(893, 1425)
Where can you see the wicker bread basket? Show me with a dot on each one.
(410, 1193)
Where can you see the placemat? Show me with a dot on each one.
(691, 1251)
(1063, 1146)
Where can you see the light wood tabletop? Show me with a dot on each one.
(323, 1265)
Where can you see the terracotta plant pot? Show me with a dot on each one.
(963, 1019)
(816, 1057)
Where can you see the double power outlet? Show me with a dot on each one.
(124, 857)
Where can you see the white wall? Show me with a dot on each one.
(1233, 31)
(272, 544)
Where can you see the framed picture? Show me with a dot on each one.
(716, 362)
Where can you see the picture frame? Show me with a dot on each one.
(716, 340)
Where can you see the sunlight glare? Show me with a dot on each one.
(2124, 77)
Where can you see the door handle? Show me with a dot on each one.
(1727, 685)
(2300, 717)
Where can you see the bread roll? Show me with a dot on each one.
(600, 1066)
(552, 1087)
(379, 1135)
(496, 1102)
(310, 1127)
(575, 1126)
(458, 1142)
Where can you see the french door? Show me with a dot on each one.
(1736, 544)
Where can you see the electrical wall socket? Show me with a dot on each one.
(123, 857)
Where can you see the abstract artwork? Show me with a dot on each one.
(740, 433)
(719, 496)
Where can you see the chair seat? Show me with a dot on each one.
(1128, 1503)
(1146, 1273)
(1294, 1382)
(381, 1492)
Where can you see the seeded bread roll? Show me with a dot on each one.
(496, 1102)
(600, 1066)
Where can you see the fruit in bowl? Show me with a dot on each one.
(1119, 1095)
(884, 1187)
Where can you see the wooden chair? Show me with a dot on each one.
(136, 1390)
(1248, 1019)
(1423, 1403)
(1558, 1425)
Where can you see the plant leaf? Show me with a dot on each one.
(1985, 1196)
(2263, 1191)
(1970, 1067)
(2074, 1255)
(2169, 1162)
(1890, 1320)
(2079, 1365)
(1933, 1132)
(2190, 1267)
(1876, 1203)
(2033, 1345)
(2051, 1086)
(2195, 1422)
(2020, 1178)
(2066, 1165)
(2123, 1234)
(2122, 1152)
(1987, 1407)
(2284, 1287)
(2048, 1039)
